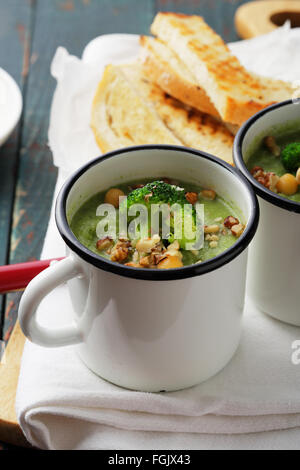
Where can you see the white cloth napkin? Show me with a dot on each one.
(253, 403)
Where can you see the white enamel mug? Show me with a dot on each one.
(147, 329)
(274, 257)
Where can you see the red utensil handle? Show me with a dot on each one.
(17, 276)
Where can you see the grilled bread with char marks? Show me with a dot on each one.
(129, 109)
(166, 69)
(235, 93)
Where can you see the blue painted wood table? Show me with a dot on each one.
(30, 32)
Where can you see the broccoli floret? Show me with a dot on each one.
(159, 192)
(290, 156)
(156, 192)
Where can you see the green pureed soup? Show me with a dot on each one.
(275, 162)
(222, 225)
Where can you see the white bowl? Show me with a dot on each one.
(11, 105)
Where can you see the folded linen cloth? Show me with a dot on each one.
(253, 403)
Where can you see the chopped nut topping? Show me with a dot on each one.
(191, 197)
(270, 143)
(237, 230)
(271, 181)
(214, 238)
(158, 257)
(104, 243)
(211, 228)
(230, 221)
(268, 179)
(208, 194)
(145, 245)
(120, 251)
(158, 249)
(261, 180)
(257, 172)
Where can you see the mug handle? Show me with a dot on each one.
(57, 273)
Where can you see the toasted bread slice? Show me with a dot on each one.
(121, 118)
(129, 109)
(193, 128)
(177, 124)
(164, 67)
(235, 93)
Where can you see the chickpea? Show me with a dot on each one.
(170, 262)
(112, 197)
(230, 221)
(287, 184)
(298, 176)
(211, 228)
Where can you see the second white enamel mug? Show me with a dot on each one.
(146, 329)
(274, 256)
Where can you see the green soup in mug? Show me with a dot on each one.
(275, 162)
(222, 227)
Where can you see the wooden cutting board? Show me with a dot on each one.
(261, 17)
(10, 430)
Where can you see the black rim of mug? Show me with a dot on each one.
(259, 189)
(154, 274)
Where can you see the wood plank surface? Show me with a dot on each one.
(9, 374)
